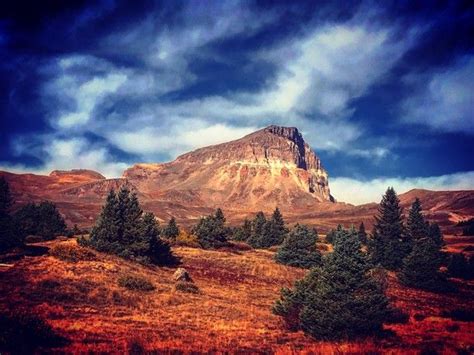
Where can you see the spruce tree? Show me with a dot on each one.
(421, 267)
(388, 245)
(258, 226)
(338, 300)
(362, 234)
(41, 219)
(123, 229)
(299, 248)
(244, 232)
(332, 234)
(171, 231)
(9, 238)
(461, 266)
(434, 232)
(211, 231)
(416, 224)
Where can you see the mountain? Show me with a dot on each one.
(272, 167)
(268, 168)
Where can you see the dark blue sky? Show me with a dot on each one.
(383, 93)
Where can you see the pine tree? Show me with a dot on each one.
(434, 232)
(123, 229)
(258, 226)
(416, 224)
(460, 266)
(9, 238)
(388, 245)
(421, 267)
(362, 234)
(332, 234)
(299, 248)
(211, 231)
(338, 300)
(171, 231)
(41, 219)
(244, 232)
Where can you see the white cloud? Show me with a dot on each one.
(446, 101)
(359, 192)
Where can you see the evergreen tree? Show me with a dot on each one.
(434, 232)
(123, 229)
(416, 224)
(244, 232)
(421, 267)
(171, 231)
(460, 266)
(258, 226)
(338, 300)
(388, 245)
(9, 238)
(211, 231)
(41, 219)
(362, 234)
(299, 248)
(332, 234)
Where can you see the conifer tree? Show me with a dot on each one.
(416, 224)
(362, 234)
(338, 300)
(9, 238)
(41, 219)
(244, 232)
(258, 226)
(434, 232)
(421, 267)
(332, 234)
(461, 266)
(211, 231)
(171, 231)
(388, 245)
(123, 229)
(299, 248)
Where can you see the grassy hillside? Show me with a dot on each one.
(81, 299)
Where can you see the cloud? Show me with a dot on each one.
(444, 101)
(359, 191)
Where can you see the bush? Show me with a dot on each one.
(33, 239)
(24, 333)
(187, 287)
(135, 283)
(185, 239)
(461, 266)
(71, 253)
(463, 315)
(397, 316)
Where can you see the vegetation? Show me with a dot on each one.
(468, 227)
(244, 232)
(339, 299)
(42, 219)
(72, 253)
(362, 234)
(123, 229)
(421, 267)
(211, 231)
(186, 239)
(460, 266)
(265, 233)
(332, 234)
(299, 248)
(389, 245)
(171, 231)
(186, 286)
(24, 334)
(9, 237)
(135, 283)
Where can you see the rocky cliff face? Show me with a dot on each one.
(268, 168)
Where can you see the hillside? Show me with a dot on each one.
(83, 302)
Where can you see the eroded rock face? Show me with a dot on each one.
(268, 168)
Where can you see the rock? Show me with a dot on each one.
(181, 275)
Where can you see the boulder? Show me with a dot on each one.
(181, 275)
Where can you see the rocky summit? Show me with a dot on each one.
(268, 168)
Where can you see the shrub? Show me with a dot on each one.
(171, 231)
(33, 239)
(187, 287)
(299, 248)
(71, 253)
(459, 314)
(24, 333)
(187, 240)
(397, 316)
(135, 283)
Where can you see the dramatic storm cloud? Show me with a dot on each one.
(383, 94)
